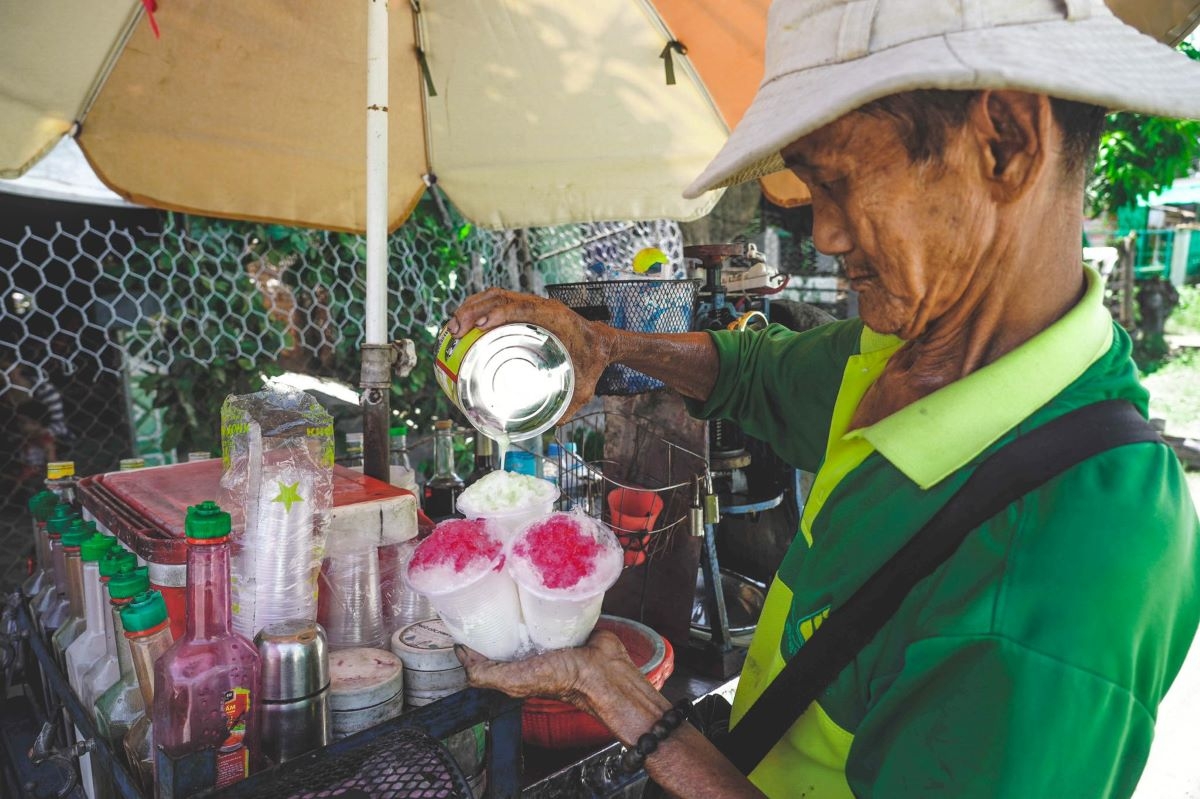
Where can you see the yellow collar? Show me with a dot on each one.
(938, 434)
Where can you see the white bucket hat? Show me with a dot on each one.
(825, 58)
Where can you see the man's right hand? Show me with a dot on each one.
(589, 344)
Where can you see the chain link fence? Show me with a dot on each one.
(121, 340)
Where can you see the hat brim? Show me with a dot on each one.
(1101, 61)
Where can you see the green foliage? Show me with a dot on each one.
(1185, 319)
(220, 335)
(211, 334)
(1141, 155)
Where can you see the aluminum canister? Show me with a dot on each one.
(513, 382)
(295, 688)
(366, 688)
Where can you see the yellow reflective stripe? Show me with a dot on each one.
(842, 454)
(809, 761)
(763, 659)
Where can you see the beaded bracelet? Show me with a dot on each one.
(633, 758)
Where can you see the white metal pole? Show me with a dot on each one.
(377, 171)
(377, 353)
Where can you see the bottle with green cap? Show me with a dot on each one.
(52, 606)
(149, 636)
(206, 685)
(94, 644)
(119, 707)
(71, 536)
(40, 505)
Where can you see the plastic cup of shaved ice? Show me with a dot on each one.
(459, 568)
(510, 500)
(563, 564)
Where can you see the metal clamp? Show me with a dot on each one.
(43, 751)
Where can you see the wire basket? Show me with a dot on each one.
(402, 764)
(644, 499)
(643, 306)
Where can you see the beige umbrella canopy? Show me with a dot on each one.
(528, 112)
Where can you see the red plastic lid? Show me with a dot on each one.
(146, 508)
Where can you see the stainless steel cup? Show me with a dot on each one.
(295, 688)
(512, 382)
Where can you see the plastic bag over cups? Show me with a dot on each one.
(277, 451)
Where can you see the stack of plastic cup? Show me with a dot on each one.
(348, 605)
(562, 567)
(460, 569)
(510, 500)
(274, 579)
(402, 605)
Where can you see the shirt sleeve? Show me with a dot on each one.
(781, 385)
(984, 716)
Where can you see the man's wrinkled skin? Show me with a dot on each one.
(964, 258)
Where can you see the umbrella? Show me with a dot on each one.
(525, 112)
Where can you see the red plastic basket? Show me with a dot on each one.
(551, 724)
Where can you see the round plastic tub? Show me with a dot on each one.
(551, 724)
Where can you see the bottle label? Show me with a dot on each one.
(233, 759)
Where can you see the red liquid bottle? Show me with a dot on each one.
(206, 685)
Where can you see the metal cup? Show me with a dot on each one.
(295, 688)
(512, 382)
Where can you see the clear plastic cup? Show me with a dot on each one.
(558, 616)
(478, 603)
(509, 500)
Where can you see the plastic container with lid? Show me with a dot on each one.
(75, 623)
(366, 688)
(431, 669)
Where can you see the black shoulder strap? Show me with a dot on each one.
(1008, 474)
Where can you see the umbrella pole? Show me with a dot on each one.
(377, 352)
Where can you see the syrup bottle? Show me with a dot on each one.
(206, 685)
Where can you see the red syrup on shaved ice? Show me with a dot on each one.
(559, 550)
(459, 544)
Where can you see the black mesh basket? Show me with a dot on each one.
(401, 764)
(644, 306)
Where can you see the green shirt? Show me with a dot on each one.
(1032, 662)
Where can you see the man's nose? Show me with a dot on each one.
(830, 233)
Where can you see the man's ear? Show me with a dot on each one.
(1013, 131)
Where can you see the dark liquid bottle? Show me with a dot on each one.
(485, 458)
(443, 488)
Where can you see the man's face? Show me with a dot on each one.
(908, 235)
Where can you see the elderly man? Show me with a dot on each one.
(946, 145)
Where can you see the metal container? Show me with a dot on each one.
(296, 716)
(366, 688)
(513, 382)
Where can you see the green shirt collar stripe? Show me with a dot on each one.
(939, 434)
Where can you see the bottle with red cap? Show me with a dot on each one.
(206, 685)
(144, 620)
